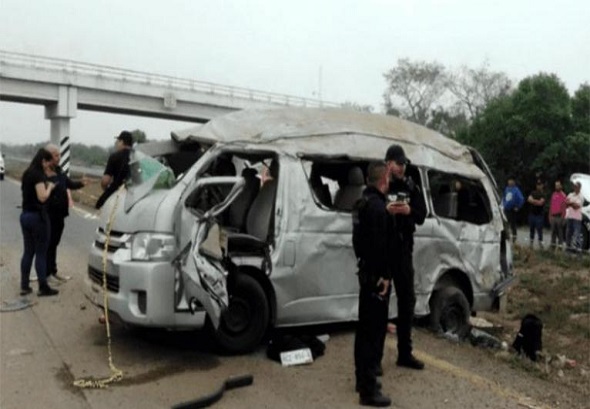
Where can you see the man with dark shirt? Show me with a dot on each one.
(407, 209)
(58, 209)
(370, 238)
(536, 202)
(117, 169)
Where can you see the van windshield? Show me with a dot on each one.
(162, 163)
(159, 165)
(147, 170)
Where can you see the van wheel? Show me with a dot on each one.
(244, 322)
(449, 312)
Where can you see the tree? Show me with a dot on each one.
(529, 131)
(581, 109)
(413, 88)
(475, 88)
(448, 122)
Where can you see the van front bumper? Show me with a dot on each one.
(139, 293)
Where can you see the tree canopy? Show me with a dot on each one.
(445, 100)
(533, 132)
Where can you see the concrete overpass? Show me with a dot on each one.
(64, 86)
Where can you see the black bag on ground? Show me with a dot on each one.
(529, 339)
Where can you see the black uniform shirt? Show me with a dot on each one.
(370, 234)
(118, 168)
(404, 226)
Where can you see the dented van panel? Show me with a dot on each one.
(287, 233)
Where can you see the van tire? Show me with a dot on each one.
(245, 321)
(450, 311)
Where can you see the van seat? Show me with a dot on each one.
(445, 205)
(258, 222)
(238, 210)
(348, 194)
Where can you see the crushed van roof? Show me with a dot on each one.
(335, 132)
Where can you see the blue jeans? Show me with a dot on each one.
(36, 238)
(572, 233)
(536, 224)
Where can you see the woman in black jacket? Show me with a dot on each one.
(34, 221)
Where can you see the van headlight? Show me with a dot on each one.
(153, 247)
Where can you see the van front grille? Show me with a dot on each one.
(96, 277)
(117, 240)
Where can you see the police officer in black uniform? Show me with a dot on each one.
(407, 209)
(117, 169)
(370, 241)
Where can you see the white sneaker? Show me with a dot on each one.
(61, 278)
(53, 280)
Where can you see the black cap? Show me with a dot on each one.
(396, 153)
(126, 138)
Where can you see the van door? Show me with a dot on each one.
(203, 275)
(463, 209)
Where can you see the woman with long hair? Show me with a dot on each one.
(34, 222)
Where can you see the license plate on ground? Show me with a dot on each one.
(296, 357)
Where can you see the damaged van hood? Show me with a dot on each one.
(141, 217)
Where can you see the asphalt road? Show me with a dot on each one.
(43, 349)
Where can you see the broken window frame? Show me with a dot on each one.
(457, 208)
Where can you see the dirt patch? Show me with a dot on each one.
(555, 286)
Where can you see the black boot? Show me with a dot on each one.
(410, 362)
(46, 291)
(377, 400)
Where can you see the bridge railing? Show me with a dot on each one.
(107, 72)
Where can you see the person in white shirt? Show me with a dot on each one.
(573, 218)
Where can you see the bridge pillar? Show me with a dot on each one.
(61, 112)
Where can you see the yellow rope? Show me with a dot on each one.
(116, 374)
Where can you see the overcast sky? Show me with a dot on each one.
(281, 46)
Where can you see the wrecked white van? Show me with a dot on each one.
(257, 232)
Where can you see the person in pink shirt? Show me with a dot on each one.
(573, 218)
(557, 215)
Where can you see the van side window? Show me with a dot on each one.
(459, 198)
(335, 184)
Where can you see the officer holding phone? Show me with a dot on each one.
(407, 209)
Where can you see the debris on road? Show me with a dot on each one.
(208, 400)
(16, 305)
(481, 338)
